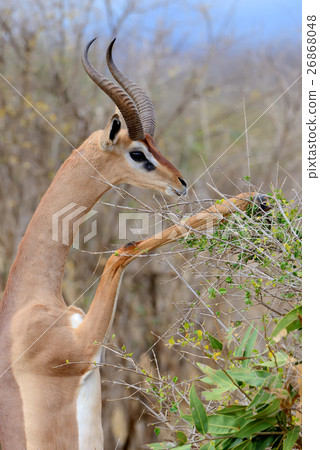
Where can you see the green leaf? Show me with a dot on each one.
(222, 424)
(256, 426)
(181, 437)
(244, 445)
(281, 358)
(161, 446)
(188, 418)
(245, 415)
(241, 413)
(239, 350)
(249, 347)
(246, 346)
(272, 409)
(209, 446)
(291, 438)
(215, 344)
(251, 377)
(215, 394)
(290, 321)
(262, 442)
(263, 396)
(235, 410)
(198, 412)
(295, 325)
(182, 447)
(208, 380)
(229, 385)
(217, 377)
(226, 444)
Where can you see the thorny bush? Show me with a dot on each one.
(247, 392)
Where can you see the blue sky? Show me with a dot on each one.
(257, 21)
(251, 22)
(268, 19)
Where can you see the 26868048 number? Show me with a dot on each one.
(311, 45)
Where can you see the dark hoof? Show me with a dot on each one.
(131, 244)
(263, 202)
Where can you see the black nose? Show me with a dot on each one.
(184, 184)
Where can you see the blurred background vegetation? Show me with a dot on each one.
(211, 68)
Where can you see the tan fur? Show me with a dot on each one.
(43, 359)
(39, 384)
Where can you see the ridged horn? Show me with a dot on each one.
(141, 99)
(122, 100)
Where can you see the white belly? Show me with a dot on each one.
(89, 412)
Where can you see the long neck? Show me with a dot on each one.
(75, 189)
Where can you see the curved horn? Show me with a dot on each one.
(118, 96)
(141, 99)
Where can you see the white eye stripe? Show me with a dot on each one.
(140, 165)
(145, 151)
(151, 158)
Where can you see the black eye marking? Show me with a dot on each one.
(138, 156)
(149, 166)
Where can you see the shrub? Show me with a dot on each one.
(247, 392)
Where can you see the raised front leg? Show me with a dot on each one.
(101, 312)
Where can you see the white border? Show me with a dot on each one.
(311, 245)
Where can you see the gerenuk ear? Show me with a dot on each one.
(115, 128)
(111, 132)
